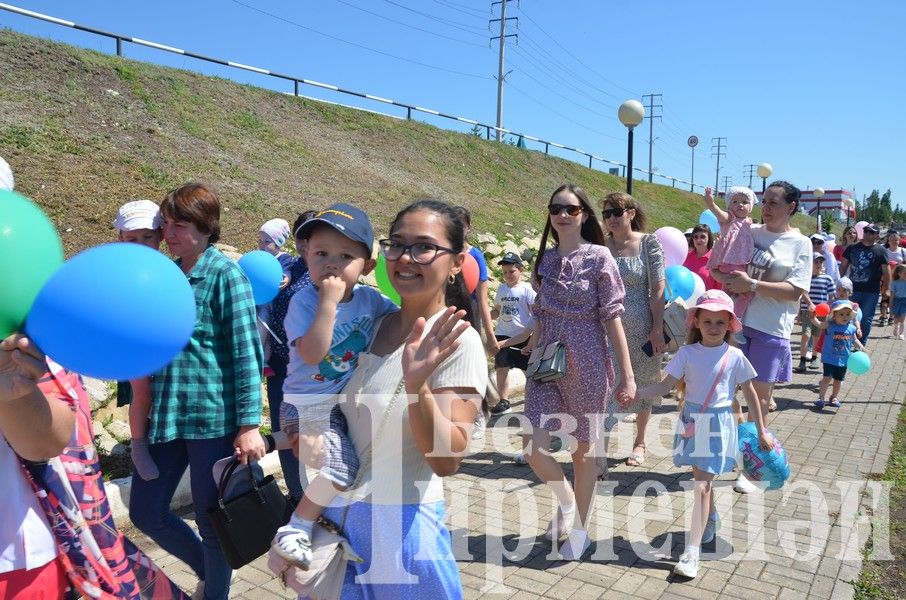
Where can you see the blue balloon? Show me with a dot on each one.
(264, 273)
(117, 311)
(771, 467)
(707, 218)
(680, 283)
(859, 363)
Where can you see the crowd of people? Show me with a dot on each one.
(381, 400)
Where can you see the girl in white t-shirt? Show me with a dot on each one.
(706, 436)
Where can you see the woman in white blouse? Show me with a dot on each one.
(410, 406)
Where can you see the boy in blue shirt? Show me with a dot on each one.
(838, 344)
(328, 324)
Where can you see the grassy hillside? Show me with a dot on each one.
(85, 132)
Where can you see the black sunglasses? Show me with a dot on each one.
(612, 212)
(571, 209)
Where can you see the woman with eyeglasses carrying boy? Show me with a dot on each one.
(579, 304)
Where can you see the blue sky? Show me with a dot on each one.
(812, 87)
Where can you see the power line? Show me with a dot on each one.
(561, 97)
(455, 24)
(576, 58)
(434, 33)
(566, 68)
(551, 74)
(750, 172)
(466, 10)
(559, 114)
(357, 45)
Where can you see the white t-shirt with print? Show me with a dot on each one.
(515, 314)
(778, 257)
(399, 472)
(700, 365)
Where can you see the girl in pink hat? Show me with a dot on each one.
(706, 438)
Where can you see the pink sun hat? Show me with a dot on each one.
(715, 301)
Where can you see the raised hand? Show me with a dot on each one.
(421, 355)
(331, 289)
(21, 366)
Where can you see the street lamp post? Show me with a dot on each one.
(631, 113)
(818, 193)
(849, 204)
(764, 171)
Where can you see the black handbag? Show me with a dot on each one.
(246, 524)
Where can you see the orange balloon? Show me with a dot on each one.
(822, 310)
(470, 272)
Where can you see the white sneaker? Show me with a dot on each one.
(687, 565)
(575, 545)
(744, 486)
(293, 545)
(479, 427)
(710, 530)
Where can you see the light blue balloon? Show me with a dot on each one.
(707, 218)
(680, 283)
(859, 314)
(771, 467)
(859, 363)
(264, 273)
(118, 311)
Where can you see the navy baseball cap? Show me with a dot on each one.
(347, 219)
(511, 258)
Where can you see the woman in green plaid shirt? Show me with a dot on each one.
(206, 404)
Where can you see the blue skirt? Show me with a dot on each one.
(409, 547)
(714, 446)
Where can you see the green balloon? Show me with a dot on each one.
(383, 280)
(30, 252)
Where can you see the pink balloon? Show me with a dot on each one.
(859, 226)
(674, 244)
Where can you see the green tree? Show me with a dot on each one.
(827, 221)
(886, 211)
(871, 207)
(477, 131)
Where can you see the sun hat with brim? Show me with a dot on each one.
(841, 304)
(714, 301)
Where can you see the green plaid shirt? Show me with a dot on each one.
(213, 386)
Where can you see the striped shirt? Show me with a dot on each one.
(821, 290)
(213, 386)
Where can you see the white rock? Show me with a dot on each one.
(98, 393)
(510, 246)
(113, 93)
(486, 238)
(104, 442)
(492, 250)
(119, 430)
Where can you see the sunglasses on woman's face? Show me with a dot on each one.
(571, 209)
(612, 212)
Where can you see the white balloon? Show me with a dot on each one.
(697, 291)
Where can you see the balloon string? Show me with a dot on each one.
(270, 331)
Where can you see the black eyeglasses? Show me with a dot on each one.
(423, 253)
(612, 212)
(571, 209)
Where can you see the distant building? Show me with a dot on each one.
(832, 202)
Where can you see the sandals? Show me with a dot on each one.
(772, 406)
(636, 458)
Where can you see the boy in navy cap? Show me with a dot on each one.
(514, 324)
(328, 324)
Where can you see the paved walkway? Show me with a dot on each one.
(795, 543)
